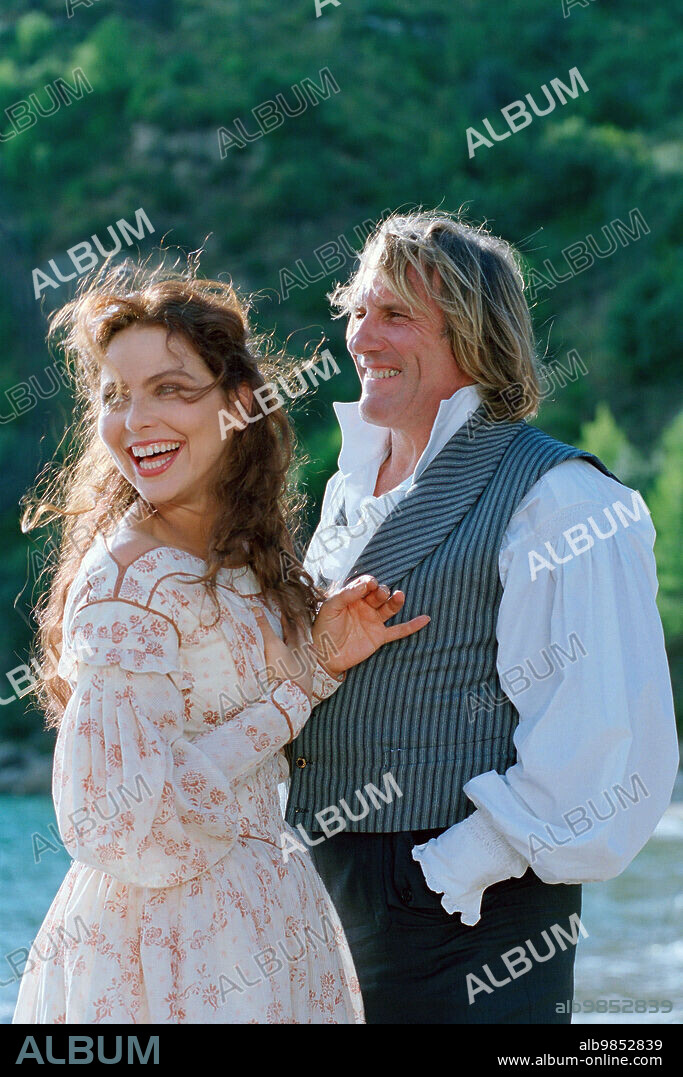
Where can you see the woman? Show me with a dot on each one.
(187, 663)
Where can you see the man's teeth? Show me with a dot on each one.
(156, 447)
(381, 373)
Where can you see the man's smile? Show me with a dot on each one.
(381, 372)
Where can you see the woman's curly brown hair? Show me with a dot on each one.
(85, 493)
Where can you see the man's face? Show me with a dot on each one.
(403, 358)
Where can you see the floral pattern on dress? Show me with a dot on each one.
(179, 906)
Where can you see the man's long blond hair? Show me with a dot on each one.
(476, 280)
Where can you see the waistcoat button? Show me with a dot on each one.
(301, 762)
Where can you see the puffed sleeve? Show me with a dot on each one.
(134, 797)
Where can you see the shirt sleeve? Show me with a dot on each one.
(581, 655)
(134, 796)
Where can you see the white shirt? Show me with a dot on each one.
(580, 654)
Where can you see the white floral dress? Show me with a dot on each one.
(180, 906)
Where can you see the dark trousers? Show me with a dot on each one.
(418, 965)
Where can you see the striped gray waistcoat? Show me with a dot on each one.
(408, 709)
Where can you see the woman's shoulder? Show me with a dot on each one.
(127, 567)
(136, 568)
(128, 605)
(134, 602)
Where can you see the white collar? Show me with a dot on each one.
(364, 446)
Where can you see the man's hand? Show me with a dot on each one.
(354, 619)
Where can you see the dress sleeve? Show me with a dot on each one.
(135, 797)
(324, 684)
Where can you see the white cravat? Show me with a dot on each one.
(597, 736)
(364, 448)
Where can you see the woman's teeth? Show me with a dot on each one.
(158, 454)
(149, 465)
(155, 447)
(373, 374)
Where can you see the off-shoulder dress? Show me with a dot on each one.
(180, 906)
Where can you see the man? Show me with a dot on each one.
(529, 727)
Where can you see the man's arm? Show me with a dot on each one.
(581, 655)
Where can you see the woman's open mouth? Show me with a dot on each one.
(155, 456)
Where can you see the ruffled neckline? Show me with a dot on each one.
(240, 579)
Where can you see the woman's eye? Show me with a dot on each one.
(167, 386)
(110, 398)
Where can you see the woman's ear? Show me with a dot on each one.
(240, 401)
(246, 396)
(237, 411)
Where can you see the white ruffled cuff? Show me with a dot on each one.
(464, 860)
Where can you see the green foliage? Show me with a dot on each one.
(412, 78)
(660, 478)
(605, 439)
(33, 35)
(666, 506)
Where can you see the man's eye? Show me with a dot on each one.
(397, 314)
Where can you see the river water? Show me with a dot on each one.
(634, 947)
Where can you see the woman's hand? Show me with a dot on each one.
(353, 622)
(288, 660)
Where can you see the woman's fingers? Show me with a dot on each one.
(372, 592)
(391, 606)
(378, 597)
(361, 587)
(407, 629)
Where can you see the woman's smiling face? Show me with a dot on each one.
(144, 380)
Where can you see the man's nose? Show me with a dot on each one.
(365, 337)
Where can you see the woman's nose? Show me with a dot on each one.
(139, 413)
